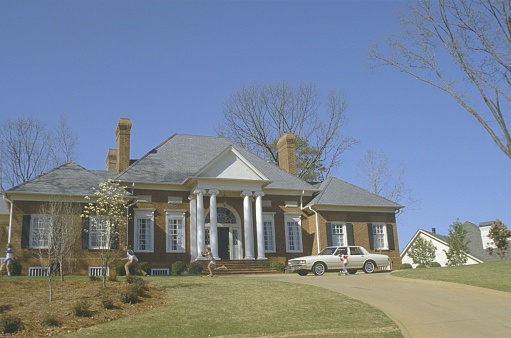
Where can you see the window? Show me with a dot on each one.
(223, 216)
(338, 234)
(175, 231)
(293, 233)
(144, 230)
(269, 233)
(99, 232)
(379, 236)
(38, 232)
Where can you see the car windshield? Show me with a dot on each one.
(328, 251)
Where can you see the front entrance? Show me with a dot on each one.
(223, 243)
(228, 234)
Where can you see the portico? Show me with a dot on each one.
(204, 229)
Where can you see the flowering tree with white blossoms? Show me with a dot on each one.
(107, 212)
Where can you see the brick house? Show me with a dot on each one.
(263, 212)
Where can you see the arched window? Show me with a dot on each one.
(224, 216)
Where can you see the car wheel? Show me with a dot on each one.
(303, 272)
(369, 267)
(319, 269)
(352, 271)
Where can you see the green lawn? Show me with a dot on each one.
(231, 306)
(493, 275)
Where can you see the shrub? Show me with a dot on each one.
(51, 320)
(277, 265)
(94, 278)
(130, 294)
(15, 268)
(131, 279)
(195, 268)
(112, 278)
(108, 304)
(421, 266)
(178, 268)
(10, 324)
(119, 269)
(435, 265)
(143, 266)
(82, 308)
(405, 266)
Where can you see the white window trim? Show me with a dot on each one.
(344, 234)
(33, 219)
(175, 214)
(385, 237)
(270, 217)
(93, 228)
(293, 218)
(141, 213)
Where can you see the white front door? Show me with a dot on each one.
(236, 252)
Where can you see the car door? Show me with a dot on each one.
(355, 258)
(334, 261)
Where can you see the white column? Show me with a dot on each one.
(259, 224)
(247, 222)
(193, 227)
(213, 232)
(201, 232)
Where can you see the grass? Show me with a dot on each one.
(202, 307)
(492, 275)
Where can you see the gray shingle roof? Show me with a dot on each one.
(476, 247)
(338, 192)
(183, 156)
(67, 179)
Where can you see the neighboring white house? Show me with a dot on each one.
(478, 242)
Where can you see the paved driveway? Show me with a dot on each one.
(421, 308)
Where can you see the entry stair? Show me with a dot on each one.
(239, 267)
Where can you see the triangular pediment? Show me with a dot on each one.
(230, 164)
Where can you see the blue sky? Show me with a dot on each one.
(170, 65)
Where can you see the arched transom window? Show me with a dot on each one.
(224, 216)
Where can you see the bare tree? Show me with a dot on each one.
(29, 149)
(375, 169)
(59, 235)
(63, 143)
(462, 47)
(256, 116)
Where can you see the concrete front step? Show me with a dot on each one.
(238, 267)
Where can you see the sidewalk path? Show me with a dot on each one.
(421, 308)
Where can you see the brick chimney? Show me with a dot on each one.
(286, 146)
(118, 159)
(111, 160)
(123, 143)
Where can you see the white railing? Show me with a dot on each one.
(95, 271)
(37, 271)
(160, 271)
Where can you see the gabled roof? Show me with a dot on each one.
(476, 247)
(67, 179)
(181, 157)
(432, 235)
(338, 192)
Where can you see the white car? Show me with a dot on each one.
(328, 259)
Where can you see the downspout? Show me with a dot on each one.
(10, 219)
(317, 227)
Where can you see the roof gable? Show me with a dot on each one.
(181, 157)
(230, 164)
